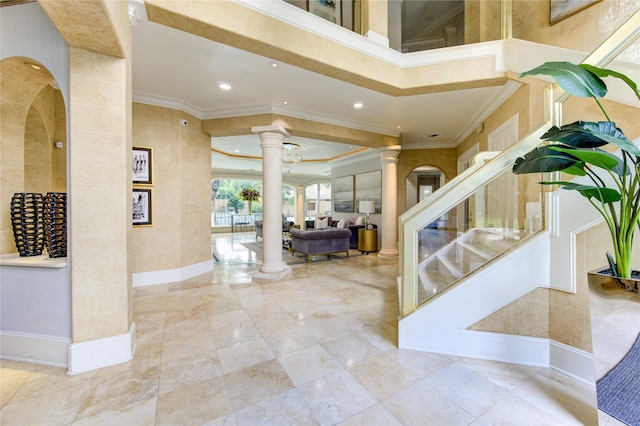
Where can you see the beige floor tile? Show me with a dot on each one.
(382, 376)
(336, 397)
(256, 383)
(57, 408)
(349, 349)
(561, 397)
(244, 355)
(374, 415)
(194, 404)
(186, 371)
(420, 404)
(286, 408)
(140, 414)
(460, 384)
(309, 364)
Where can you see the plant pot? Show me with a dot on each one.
(602, 281)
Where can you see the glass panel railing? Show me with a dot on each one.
(486, 224)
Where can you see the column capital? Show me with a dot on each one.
(389, 153)
(274, 128)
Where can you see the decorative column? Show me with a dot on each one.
(271, 138)
(300, 213)
(389, 160)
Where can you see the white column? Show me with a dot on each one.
(271, 138)
(300, 213)
(389, 160)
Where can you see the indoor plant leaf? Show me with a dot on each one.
(544, 159)
(601, 72)
(574, 79)
(604, 195)
(596, 157)
(586, 134)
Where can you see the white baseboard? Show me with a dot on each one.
(100, 353)
(34, 348)
(572, 362)
(142, 279)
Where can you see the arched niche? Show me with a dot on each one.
(32, 136)
(421, 182)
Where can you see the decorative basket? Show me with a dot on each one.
(26, 219)
(55, 223)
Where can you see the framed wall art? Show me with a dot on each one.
(327, 9)
(142, 165)
(142, 206)
(369, 187)
(561, 9)
(343, 194)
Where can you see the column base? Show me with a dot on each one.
(394, 253)
(265, 275)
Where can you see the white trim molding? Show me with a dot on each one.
(34, 348)
(142, 279)
(94, 354)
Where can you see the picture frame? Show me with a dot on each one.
(142, 165)
(142, 206)
(562, 9)
(369, 187)
(343, 200)
(326, 9)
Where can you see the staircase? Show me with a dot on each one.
(467, 253)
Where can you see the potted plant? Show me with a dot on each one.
(575, 149)
(250, 195)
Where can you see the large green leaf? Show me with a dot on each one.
(544, 159)
(604, 195)
(574, 79)
(587, 134)
(601, 72)
(597, 157)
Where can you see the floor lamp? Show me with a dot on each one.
(367, 207)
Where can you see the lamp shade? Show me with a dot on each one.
(367, 206)
(311, 205)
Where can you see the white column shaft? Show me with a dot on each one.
(389, 160)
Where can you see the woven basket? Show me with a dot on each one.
(55, 223)
(26, 219)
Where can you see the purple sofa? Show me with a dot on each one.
(320, 241)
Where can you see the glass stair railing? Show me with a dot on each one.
(485, 211)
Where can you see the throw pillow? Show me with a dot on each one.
(321, 223)
(350, 222)
(360, 220)
(340, 223)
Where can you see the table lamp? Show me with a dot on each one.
(310, 207)
(367, 206)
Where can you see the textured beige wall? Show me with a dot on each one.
(481, 21)
(99, 194)
(20, 85)
(180, 235)
(583, 31)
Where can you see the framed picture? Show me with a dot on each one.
(561, 9)
(327, 9)
(343, 194)
(142, 165)
(142, 206)
(369, 187)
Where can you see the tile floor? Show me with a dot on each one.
(317, 348)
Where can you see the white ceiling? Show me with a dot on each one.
(180, 70)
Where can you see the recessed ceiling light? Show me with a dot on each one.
(285, 102)
(358, 105)
(274, 65)
(236, 150)
(224, 86)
